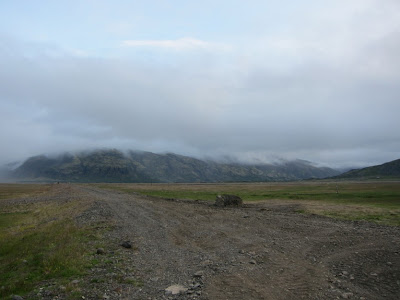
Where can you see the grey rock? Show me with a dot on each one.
(206, 262)
(16, 297)
(100, 251)
(198, 274)
(228, 200)
(126, 244)
(196, 286)
(175, 289)
(347, 295)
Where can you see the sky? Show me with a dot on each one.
(256, 81)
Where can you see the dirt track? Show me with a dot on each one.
(259, 251)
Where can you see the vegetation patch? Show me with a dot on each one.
(8, 191)
(39, 242)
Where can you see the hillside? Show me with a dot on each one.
(386, 170)
(134, 166)
(98, 166)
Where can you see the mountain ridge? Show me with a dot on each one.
(389, 169)
(112, 165)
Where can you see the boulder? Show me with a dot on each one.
(175, 289)
(228, 200)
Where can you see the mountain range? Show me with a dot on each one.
(112, 165)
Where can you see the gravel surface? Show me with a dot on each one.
(183, 249)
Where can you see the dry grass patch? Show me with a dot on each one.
(9, 191)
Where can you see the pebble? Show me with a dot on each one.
(206, 262)
(100, 251)
(196, 286)
(253, 262)
(198, 274)
(347, 295)
(76, 281)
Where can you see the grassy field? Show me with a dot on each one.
(9, 191)
(39, 241)
(372, 201)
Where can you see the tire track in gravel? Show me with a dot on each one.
(157, 258)
(260, 251)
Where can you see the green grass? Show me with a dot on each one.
(39, 242)
(374, 194)
(53, 251)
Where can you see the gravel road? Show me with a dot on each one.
(259, 251)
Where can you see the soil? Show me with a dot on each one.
(263, 250)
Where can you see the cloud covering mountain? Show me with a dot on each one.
(252, 80)
(111, 165)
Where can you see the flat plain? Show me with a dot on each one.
(377, 201)
(301, 240)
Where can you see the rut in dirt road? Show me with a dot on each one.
(259, 251)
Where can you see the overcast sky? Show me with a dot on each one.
(315, 80)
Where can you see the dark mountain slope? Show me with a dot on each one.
(386, 170)
(115, 166)
(98, 166)
(177, 168)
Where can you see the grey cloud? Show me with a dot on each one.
(315, 110)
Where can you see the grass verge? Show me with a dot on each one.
(40, 241)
